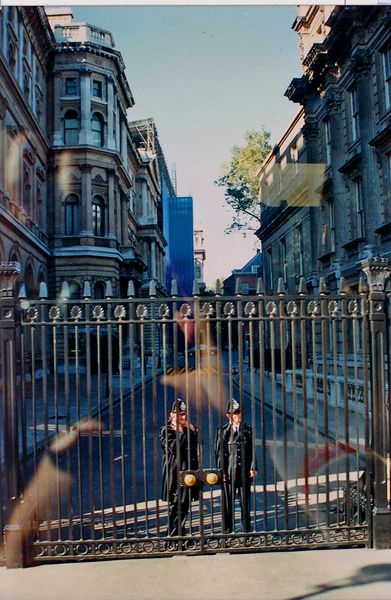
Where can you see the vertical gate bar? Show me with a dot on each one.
(65, 401)
(262, 387)
(314, 323)
(202, 328)
(377, 271)
(90, 456)
(218, 399)
(303, 358)
(346, 441)
(251, 326)
(122, 420)
(165, 337)
(293, 349)
(21, 392)
(100, 439)
(109, 398)
(78, 445)
(356, 444)
(155, 424)
(144, 421)
(335, 323)
(133, 423)
(274, 413)
(325, 379)
(367, 409)
(282, 343)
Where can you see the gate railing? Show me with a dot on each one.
(87, 384)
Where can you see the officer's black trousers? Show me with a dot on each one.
(243, 492)
(178, 509)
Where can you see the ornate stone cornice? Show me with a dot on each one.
(361, 63)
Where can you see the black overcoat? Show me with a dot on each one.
(188, 459)
(235, 455)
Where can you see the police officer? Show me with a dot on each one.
(179, 439)
(235, 455)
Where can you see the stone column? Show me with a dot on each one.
(111, 229)
(86, 199)
(58, 133)
(124, 219)
(124, 145)
(110, 116)
(85, 108)
(361, 66)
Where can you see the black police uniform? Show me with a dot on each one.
(177, 496)
(236, 457)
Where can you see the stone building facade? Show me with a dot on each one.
(326, 186)
(80, 190)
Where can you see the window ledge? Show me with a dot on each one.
(352, 243)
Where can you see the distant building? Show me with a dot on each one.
(245, 278)
(81, 189)
(326, 186)
(199, 258)
(180, 256)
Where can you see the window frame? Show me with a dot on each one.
(98, 216)
(67, 130)
(74, 90)
(97, 117)
(72, 215)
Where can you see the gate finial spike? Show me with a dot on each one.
(302, 286)
(65, 290)
(43, 290)
(174, 288)
(87, 289)
(260, 287)
(131, 291)
(196, 288)
(281, 286)
(323, 286)
(341, 285)
(152, 288)
(238, 287)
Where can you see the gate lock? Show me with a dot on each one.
(202, 476)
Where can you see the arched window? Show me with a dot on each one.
(97, 126)
(72, 212)
(98, 216)
(71, 128)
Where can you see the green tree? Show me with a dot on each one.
(240, 182)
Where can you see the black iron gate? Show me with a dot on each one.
(88, 385)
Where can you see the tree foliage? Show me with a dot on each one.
(240, 182)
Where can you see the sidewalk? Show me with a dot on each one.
(325, 575)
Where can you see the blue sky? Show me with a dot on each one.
(206, 74)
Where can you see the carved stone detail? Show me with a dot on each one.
(378, 270)
(333, 102)
(311, 130)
